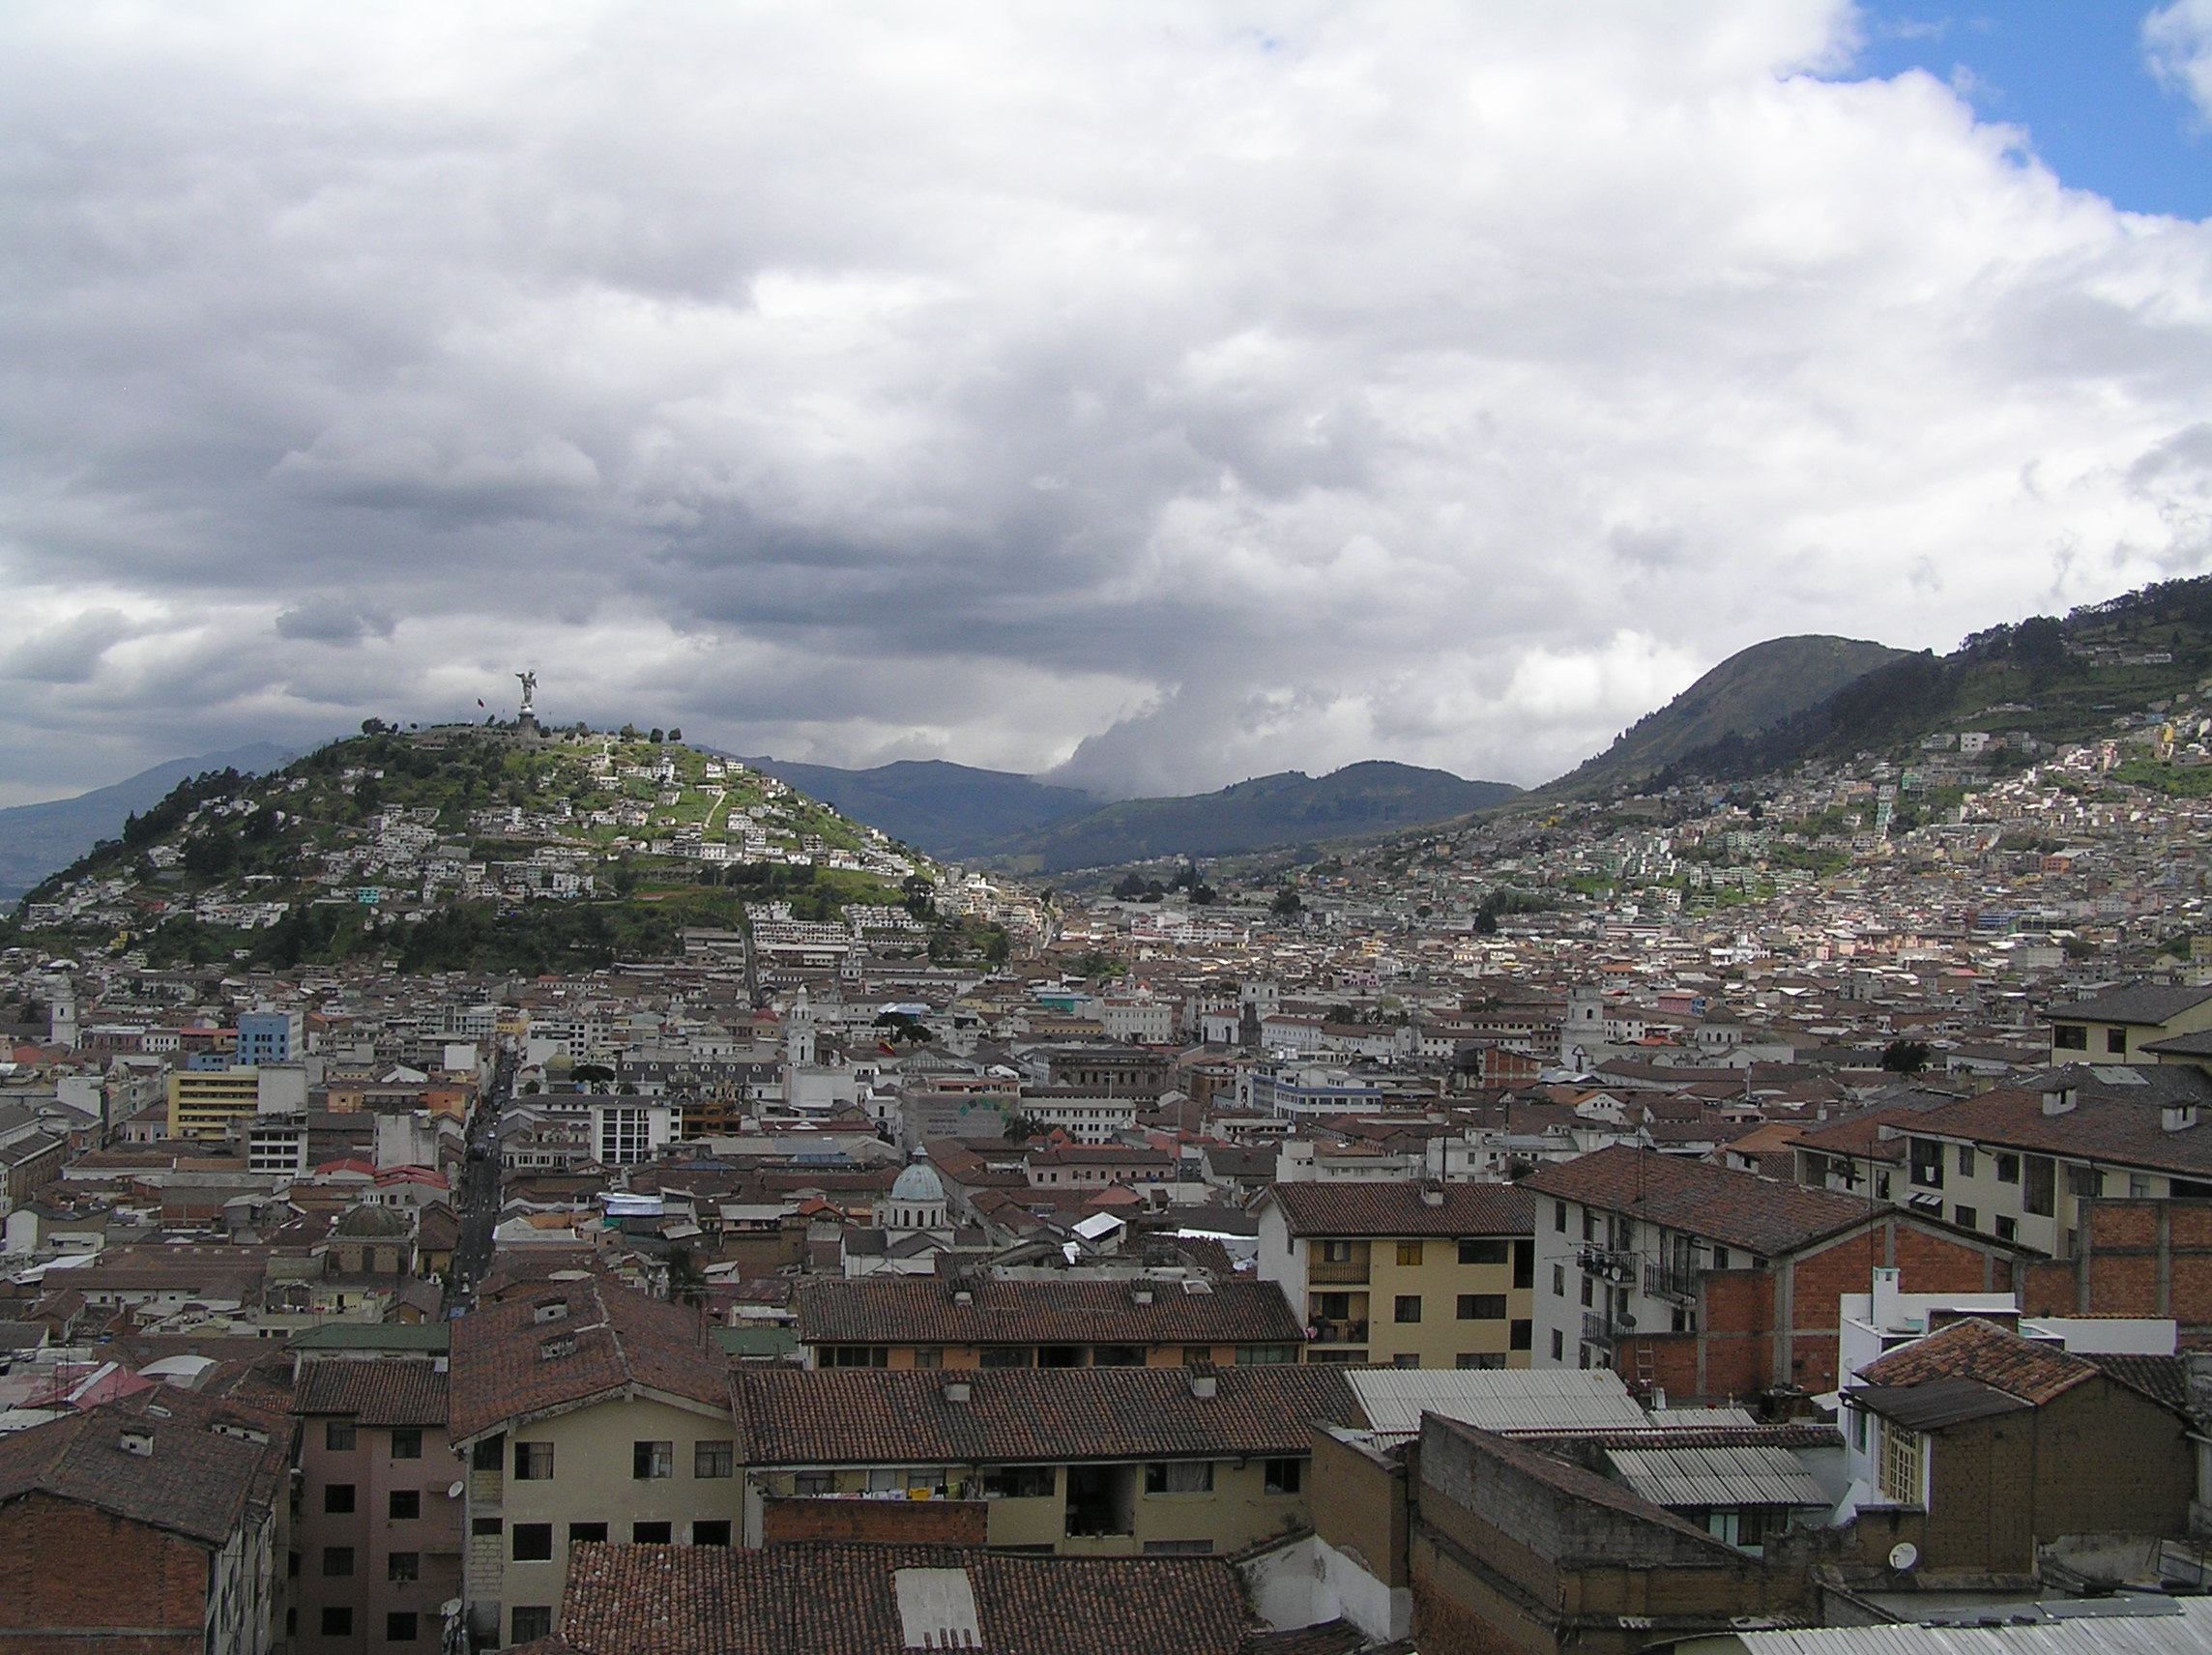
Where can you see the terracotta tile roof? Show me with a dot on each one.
(389, 1390)
(2106, 1126)
(835, 1599)
(597, 1342)
(919, 1310)
(2161, 1378)
(1987, 1355)
(2134, 1004)
(1400, 1209)
(1738, 1210)
(198, 1482)
(889, 1416)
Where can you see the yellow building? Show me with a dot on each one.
(204, 1102)
(1416, 1275)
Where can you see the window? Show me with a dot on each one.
(337, 1621)
(2008, 1169)
(533, 1462)
(403, 1566)
(489, 1454)
(1179, 1477)
(338, 1562)
(1408, 1307)
(1119, 1356)
(2084, 1182)
(1559, 1216)
(2186, 1189)
(1479, 1359)
(405, 1505)
(407, 1443)
(1559, 1343)
(1482, 1307)
(929, 1357)
(533, 1542)
(649, 1461)
(1007, 1356)
(2117, 1042)
(813, 1483)
(1523, 1264)
(399, 1626)
(1282, 1476)
(861, 1357)
(1406, 1359)
(1266, 1356)
(1020, 1482)
(1336, 1252)
(292, 1565)
(2138, 1186)
(1409, 1253)
(1858, 1417)
(711, 1531)
(2070, 1038)
(1900, 1465)
(1966, 1217)
(487, 1525)
(1588, 1301)
(579, 1532)
(1179, 1548)
(1720, 1258)
(338, 1497)
(714, 1460)
(1966, 1160)
(1484, 1251)
(652, 1533)
(527, 1623)
(1925, 1163)
(337, 1436)
(1520, 1335)
(2037, 1185)
(1559, 1280)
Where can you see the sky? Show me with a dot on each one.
(1142, 396)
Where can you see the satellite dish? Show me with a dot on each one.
(1903, 1555)
(457, 1491)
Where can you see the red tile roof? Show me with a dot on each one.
(389, 1390)
(1738, 1210)
(1401, 1209)
(920, 1310)
(1990, 1355)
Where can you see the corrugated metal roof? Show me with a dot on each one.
(1717, 1476)
(1701, 1418)
(2186, 1633)
(1496, 1399)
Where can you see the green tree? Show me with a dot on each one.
(1906, 1056)
(1287, 904)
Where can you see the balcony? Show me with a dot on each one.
(1340, 1333)
(1598, 1329)
(1671, 1280)
(1350, 1270)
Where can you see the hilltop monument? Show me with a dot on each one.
(526, 719)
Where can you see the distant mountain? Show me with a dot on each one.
(945, 810)
(39, 839)
(1752, 690)
(1291, 808)
(2051, 679)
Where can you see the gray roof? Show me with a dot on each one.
(2134, 1003)
(1496, 1399)
(2157, 1627)
(1747, 1476)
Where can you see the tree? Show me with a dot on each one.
(1130, 889)
(1019, 1129)
(372, 726)
(1905, 1057)
(1485, 921)
(655, 735)
(1287, 904)
(674, 734)
(920, 893)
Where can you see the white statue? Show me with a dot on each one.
(529, 690)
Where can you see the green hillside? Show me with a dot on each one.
(1752, 691)
(1291, 808)
(464, 848)
(2087, 677)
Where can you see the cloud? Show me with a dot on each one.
(1149, 395)
(2177, 44)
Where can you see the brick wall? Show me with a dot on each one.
(2138, 1257)
(879, 1523)
(67, 1567)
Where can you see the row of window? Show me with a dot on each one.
(1473, 1250)
(342, 1436)
(1471, 1307)
(400, 1626)
(339, 1562)
(401, 1505)
(649, 1462)
(1050, 1355)
(533, 1542)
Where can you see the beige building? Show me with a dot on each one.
(584, 1413)
(1132, 1462)
(204, 1102)
(1416, 1275)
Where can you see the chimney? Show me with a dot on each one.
(2177, 1117)
(956, 1390)
(136, 1440)
(965, 1300)
(2059, 1102)
(1141, 1293)
(1204, 1386)
(1432, 1195)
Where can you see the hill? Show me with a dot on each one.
(472, 848)
(2042, 683)
(945, 810)
(1291, 808)
(37, 839)
(1752, 691)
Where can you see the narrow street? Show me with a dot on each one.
(479, 1189)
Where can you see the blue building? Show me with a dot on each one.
(268, 1036)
